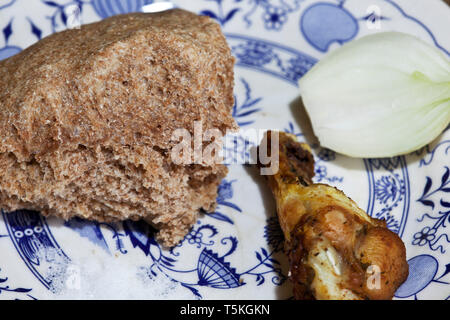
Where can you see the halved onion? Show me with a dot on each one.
(382, 95)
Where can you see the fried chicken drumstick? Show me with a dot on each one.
(335, 250)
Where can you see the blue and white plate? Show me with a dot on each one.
(236, 252)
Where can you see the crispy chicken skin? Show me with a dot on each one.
(335, 250)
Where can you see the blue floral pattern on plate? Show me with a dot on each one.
(237, 250)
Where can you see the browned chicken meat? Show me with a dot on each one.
(335, 250)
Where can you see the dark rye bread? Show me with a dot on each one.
(87, 115)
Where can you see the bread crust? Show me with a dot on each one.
(87, 117)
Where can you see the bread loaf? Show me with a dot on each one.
(87, 116)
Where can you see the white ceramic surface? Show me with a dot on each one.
(236, 252)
